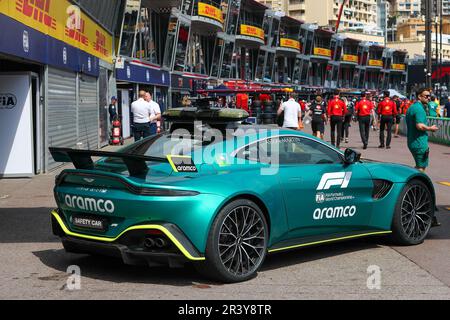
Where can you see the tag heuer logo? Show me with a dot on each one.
(88, 180)
(7, 101)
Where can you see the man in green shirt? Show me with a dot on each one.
(417, 125)
(432, 107)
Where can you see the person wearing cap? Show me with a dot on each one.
(113, 113)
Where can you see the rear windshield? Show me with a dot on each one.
(166, 144)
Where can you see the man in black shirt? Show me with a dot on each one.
(318, 111)
(113, 109)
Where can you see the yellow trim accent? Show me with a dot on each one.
(329, 240)
(444, 183)
(141, 227)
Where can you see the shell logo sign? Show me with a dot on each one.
(61, 20)
(290, 43)
(209, 11)
(251, 31)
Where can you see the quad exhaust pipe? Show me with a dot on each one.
(160, 243)
(151, 243)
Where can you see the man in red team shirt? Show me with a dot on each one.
(336, 110)
(363, 110)
(387, 110)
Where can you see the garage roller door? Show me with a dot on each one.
(61, 111)
(88, 113)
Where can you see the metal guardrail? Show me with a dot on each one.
(442, 136)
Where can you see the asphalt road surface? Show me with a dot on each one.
(33, 264)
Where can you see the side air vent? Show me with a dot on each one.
(380, 188)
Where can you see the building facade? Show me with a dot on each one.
(68, 59)
(57, 74)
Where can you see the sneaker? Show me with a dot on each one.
(381, 147)
(388, 147)
(365, 147)
(395, 136)
(346, 140)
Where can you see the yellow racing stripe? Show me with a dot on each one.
(330, 240)
(140, 227)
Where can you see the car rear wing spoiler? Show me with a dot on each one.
(82, 159)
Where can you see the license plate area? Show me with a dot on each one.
(89, 222)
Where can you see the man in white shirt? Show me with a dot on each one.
(142, 116)
(292, 114)
(155, 116)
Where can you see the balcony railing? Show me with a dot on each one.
(322, 52)
(251, 29)
(375, 63)
(351, 58)
(398, 67)
(207, 9)
(290, 43)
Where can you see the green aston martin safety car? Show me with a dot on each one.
(224, 204)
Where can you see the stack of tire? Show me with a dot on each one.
(256, 111)
(269, 115)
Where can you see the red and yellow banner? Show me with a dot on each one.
(350, 58)
(375, 63)
(251, 31)
(322, 52)
(62, 20)
(209, 11)
(398, 66)
(290, 43)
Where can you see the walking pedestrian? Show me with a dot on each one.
(292, 114)
(417, 127)
(386, 110)
(336, 110)
(398, 116)
(363, 111)
(347, 120)
(447, 109)
(112, 110)
(432, 107)
(317, 111)
(155, 115)
(142, 115)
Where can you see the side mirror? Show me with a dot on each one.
(351, 156)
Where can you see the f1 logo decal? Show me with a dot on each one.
(328, 180)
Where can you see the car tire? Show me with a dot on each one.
(413, 214)
(230, 258)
